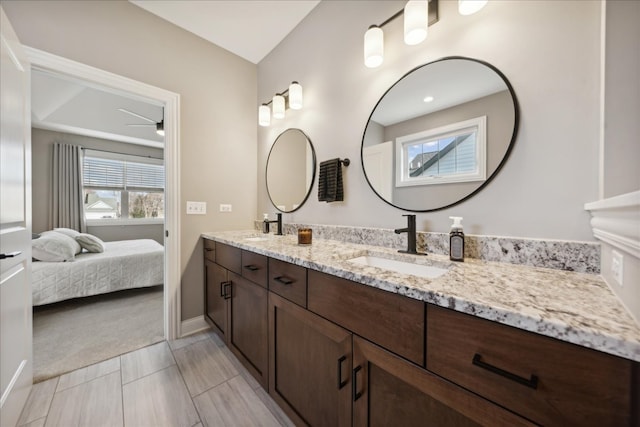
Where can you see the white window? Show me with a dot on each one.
(452, 153)
(120, 188)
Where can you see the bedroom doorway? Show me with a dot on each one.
(132, 203)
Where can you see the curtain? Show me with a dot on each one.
(66, 208)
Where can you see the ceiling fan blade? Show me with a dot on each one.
(137, 115)
(142, 125)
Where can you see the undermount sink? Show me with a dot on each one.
(420, 270)
(256, 239)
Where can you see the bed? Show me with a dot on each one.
(124, 264)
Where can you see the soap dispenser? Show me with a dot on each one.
(265, 224)
(456, 240)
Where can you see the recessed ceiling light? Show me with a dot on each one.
(428, 98)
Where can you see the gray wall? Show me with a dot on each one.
(500, 122)
(41, 151)
(215, 137)
(548, 50)
(622, 129)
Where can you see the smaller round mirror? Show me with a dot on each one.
(291, 169)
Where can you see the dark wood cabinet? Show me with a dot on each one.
(333, 352)
(248, 326)
(389, 391)
(217, 291)
(236, 307)
(551, 382)
(310, 365)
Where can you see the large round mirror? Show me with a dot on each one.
(291, 169)
(439, 134)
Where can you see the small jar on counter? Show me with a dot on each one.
(304, 236)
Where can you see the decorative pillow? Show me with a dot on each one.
(53, 247)
(90, 242)
(70, 233)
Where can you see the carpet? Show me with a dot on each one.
(73, 334)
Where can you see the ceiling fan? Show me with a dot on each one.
(152, 123)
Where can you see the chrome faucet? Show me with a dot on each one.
(279, 222)
(411, 235)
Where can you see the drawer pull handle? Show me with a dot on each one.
(227, 295)
(208, 249)
(354, 389)
(283, 280)
(252, 267)
(340, 382)
(532, 382)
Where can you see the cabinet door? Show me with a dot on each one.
(388, 390)
(310, 360)
(248, 328)
(217, 291)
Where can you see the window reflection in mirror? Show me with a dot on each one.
(439, 134)
(290, 170)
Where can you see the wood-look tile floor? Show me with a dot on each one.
(192, 382)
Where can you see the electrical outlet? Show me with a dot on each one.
(617, 266)
(196, 208)
(225, 208)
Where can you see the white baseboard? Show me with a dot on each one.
(193, 325)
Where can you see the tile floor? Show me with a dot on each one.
(192, 382)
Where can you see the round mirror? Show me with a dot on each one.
(291, 169)
(439, 134)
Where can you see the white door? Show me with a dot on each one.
(15, 227)
(378, 162)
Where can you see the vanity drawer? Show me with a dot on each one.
(548, 381)
(288, 280)
(209, 249)
(392, 321)
(254, 268)
(229, 257)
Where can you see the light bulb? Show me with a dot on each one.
(264, 115)
(415, 21)
(295, 96)
(373, 47)
(469, 7)
(278, 107)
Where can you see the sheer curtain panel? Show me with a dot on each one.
(66, 204)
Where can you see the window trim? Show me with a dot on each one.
(401, 162)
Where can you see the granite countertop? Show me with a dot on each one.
(575, 307)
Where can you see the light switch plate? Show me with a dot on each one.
(196, 208)
(225, 208)
(617, 266)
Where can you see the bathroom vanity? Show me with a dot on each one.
(337, 343)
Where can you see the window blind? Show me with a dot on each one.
(101, 172)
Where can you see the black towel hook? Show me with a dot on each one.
(345, 162)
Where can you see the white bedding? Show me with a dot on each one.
(124, 264)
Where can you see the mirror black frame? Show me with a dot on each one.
(516, 125)
(313, 175)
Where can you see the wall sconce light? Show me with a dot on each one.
(291, 97)
(469, 7)
(418, 15)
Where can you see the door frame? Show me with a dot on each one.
(46, 61)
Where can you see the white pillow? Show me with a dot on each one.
(53, 247)
(90, 242)
(71, 233)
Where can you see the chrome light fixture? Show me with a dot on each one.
(290, 98)
(469, 7)
(418, 15)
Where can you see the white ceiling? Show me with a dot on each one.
(248, 28)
